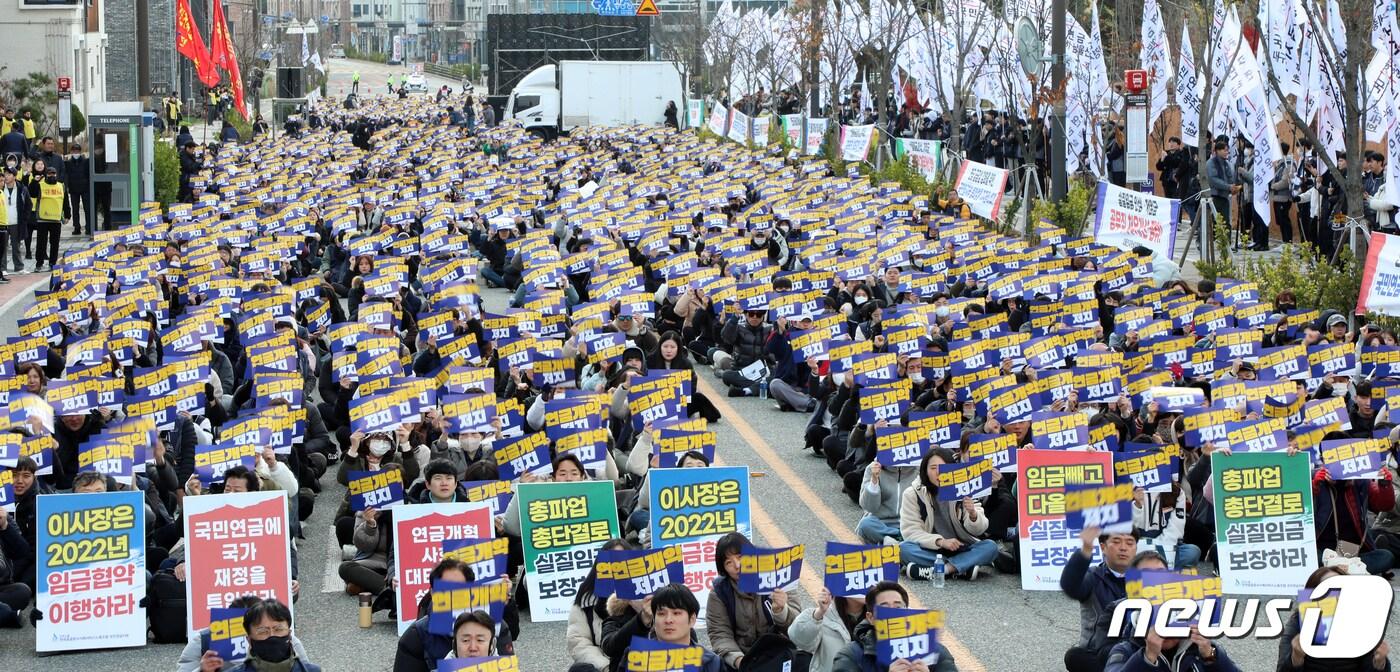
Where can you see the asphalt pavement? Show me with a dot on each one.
(991, 624)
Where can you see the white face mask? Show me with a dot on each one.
(1089, 412)
(917, 378)
(860, 300)
(941, 311)
(471, 443)
(380, 448)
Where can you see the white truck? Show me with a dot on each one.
(556, 99)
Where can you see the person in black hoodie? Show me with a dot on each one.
(14, 551)
(70, 432)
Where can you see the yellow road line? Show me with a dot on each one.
(840, 531)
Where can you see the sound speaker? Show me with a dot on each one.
(289, 83)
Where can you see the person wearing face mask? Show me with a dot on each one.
(776, 245)
(268, 625)
(51, 210)
(372, 452)
(197, 655)
(367, 570)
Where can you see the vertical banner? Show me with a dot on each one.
(816, 133)
(983, 187)
(1125, 219)
(235, 545)
(91, 568)
(855, 142)
(562, 525)
(694, 113)
(792, 127)
(1380, 281)
(1046, 541)
(692, 508)
(1264, 522)
(419, 533)
(739, 127)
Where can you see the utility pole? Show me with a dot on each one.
(1059, 182)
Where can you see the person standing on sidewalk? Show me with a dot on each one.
(355, 83)
(14, 210)
(52, 211)
(79, 179)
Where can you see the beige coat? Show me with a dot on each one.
(919, 529)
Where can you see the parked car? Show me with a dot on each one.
(337, 51)
(416, 83)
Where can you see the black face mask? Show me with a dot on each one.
(272, 649)
(52, 179)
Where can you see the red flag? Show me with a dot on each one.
(190, 43)
(220, 46)
(223, 55)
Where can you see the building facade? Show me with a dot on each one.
(58, 39)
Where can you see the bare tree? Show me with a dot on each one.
(951, 48)
(681, 37)
(722, 43)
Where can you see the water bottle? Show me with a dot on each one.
(939, 571)
(763, 389)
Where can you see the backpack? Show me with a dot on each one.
(771, 653)
(165, 607)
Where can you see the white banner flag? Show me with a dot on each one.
(1126, 218)
(983, 187)
(719, 120)
(739, 128)
(924, 154)
(1189, 90)
(1156, 58)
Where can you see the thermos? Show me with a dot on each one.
(366, 616)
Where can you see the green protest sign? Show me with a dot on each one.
(562, 525)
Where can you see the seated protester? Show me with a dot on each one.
(743, 344)
(672, 355)
(1160, 519)
(825, 630)
(70, 432)
(1096, 589)
(859, 655)
(15, 555)
(735, 620)
(1195, 654)
(1342, 520)
(880, 495)
(931, 527)
(474, 636)
(464, 449)
(197, 656)
(367, 571)
(584, 635)
(639, 463)
(420, 650)
(667, 616)
(268, 624)
(28, 487)
(369, 453)
(794, 385)
(1292, 658)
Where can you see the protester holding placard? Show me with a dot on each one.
(881, 492)
(1160, 519)
(824, 630)
(369, 453)
(639, 462)
(671, 355)
(367, 570)
(861, 654)
(1096, 588)
(1292, 657)
(15, 555)
(667, 616)
(199, 652)
(473, 636)
(420, 649)
(587, 618)
(932, 527)
(1342, 513)
(736, 620)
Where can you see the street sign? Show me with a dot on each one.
(648, 8)
(615, 7)
(65, 111)
(65, 83)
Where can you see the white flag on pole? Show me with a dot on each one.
(1188, 92)
(1156, 58)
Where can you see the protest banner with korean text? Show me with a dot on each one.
(1264, 522)
(91, 571)
(692, 508)
(419, 533)
(562, 526)
(236, 544)
(1046, 540)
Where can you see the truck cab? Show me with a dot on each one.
(535, 102)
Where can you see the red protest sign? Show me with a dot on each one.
(419, 530)
(235, 545)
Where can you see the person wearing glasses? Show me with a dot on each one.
(268, 625)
